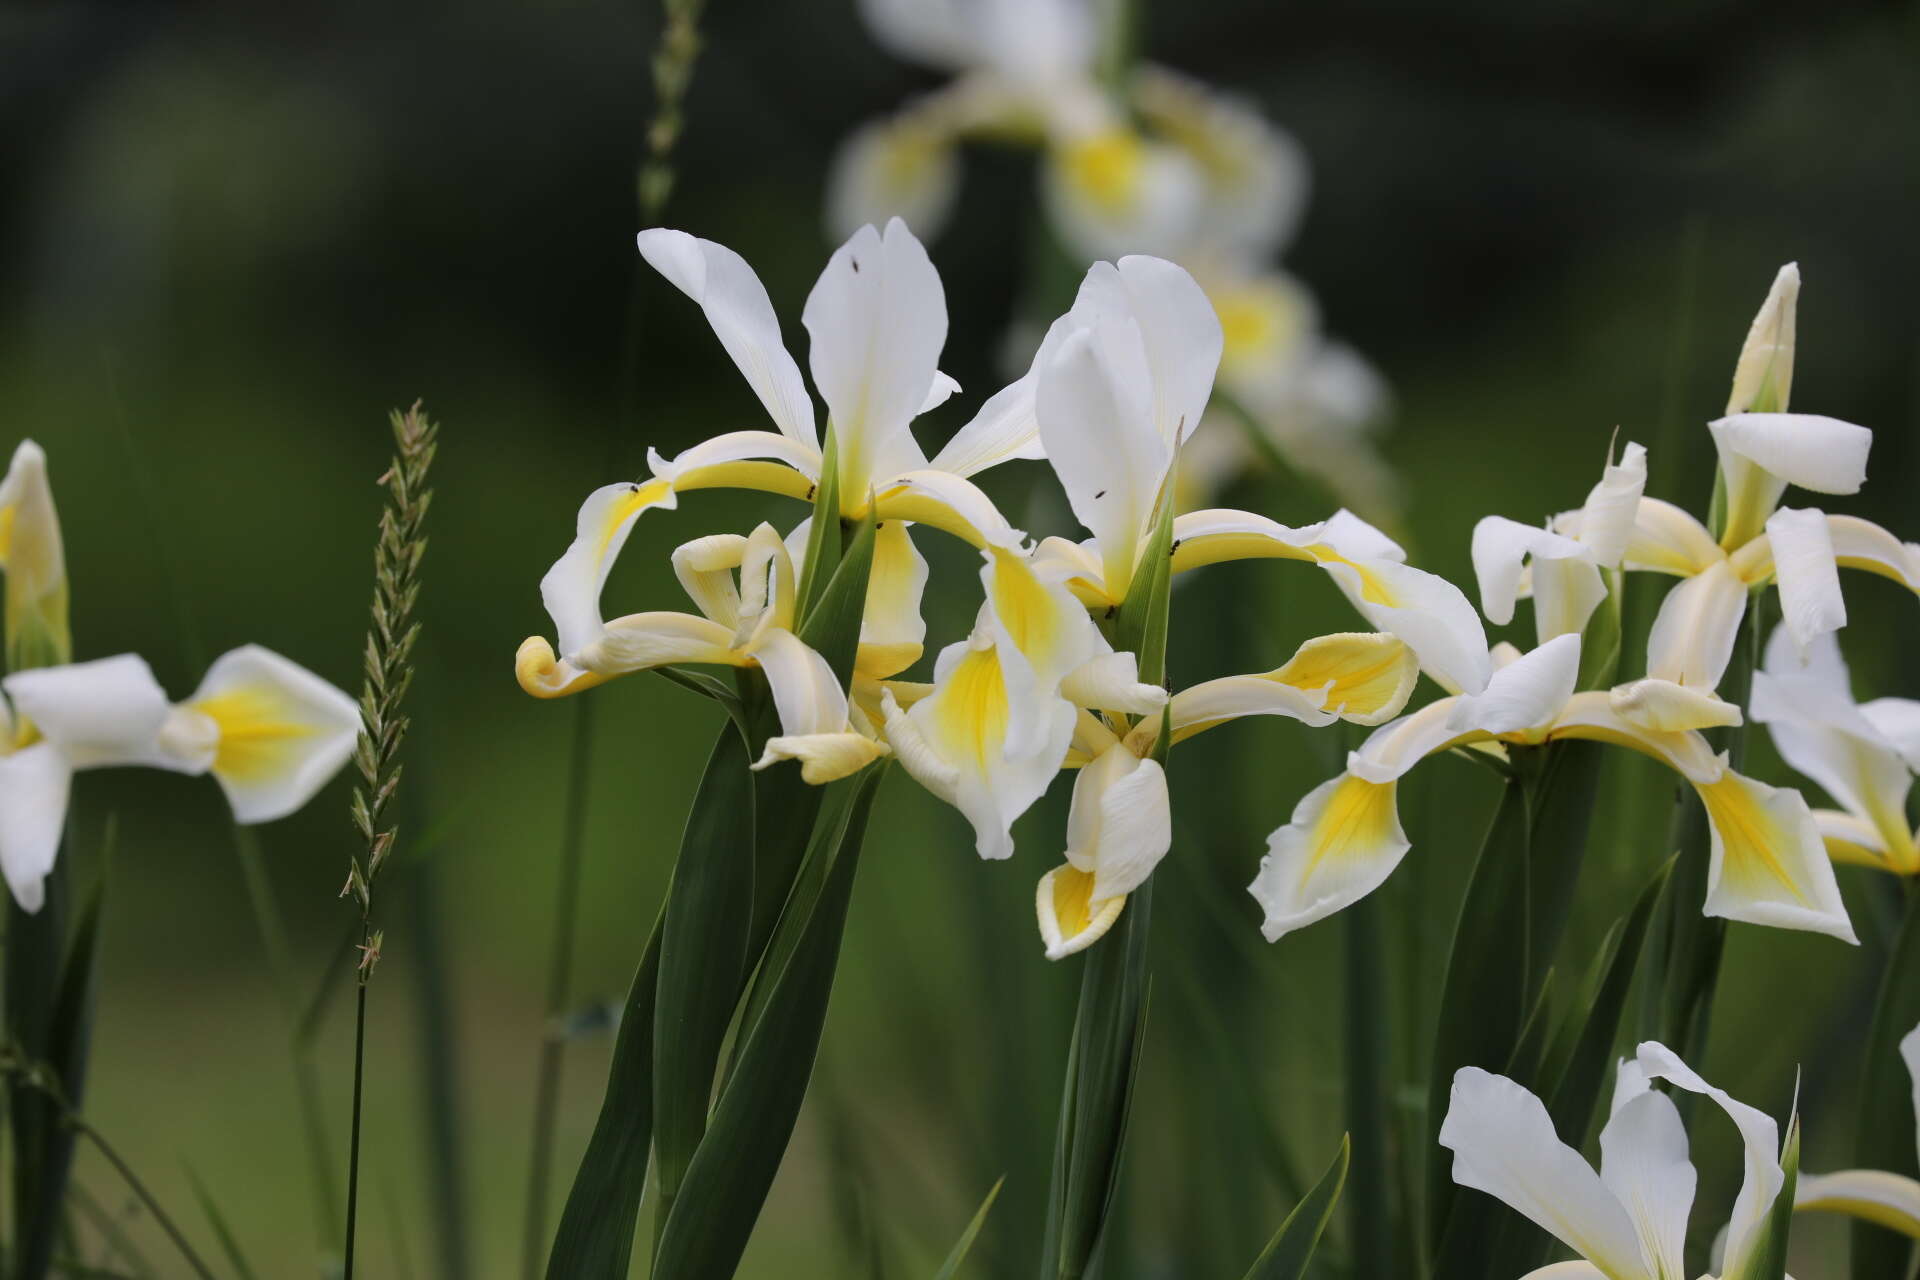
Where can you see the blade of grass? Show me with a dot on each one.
(1886, 1121)
(964, 1245)
(1289, 1253)
(222, 1231)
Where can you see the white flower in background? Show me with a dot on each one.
(1762, 450)
(877, 318)
(34, 562)
(1862, 754)
(745, 590)
(1767, 863)
(1890, 1200)
(1628, 1220)
(269, 731)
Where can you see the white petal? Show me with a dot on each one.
(1183, 340)
(33, 813)
(1095, 405)
(1861, 544)
(1121, 822)
(1666, 539)
(1607, 519)
(1577, 1270)
(1898, 721)
(106, 712)
(1764, 373)
(1344, 840)
(1643, 1162)
(1354, 538)
(1109, 191)
(1819, 663)
(1823, 736)
(32, 555)
(641, 641)
(1004, 428)
(1888, 1199)
(1431, 614)
(1525, 694)
(1762, 453)
(1220, 534)
(283, 731)
(1769, 865)
(1111, 682)
(1808, 574)
(1213, 702)
(805, 693)
(1910, 1055)
(946, 502)
(940, 392)
(1694, 633)
(1760, 1139)
(1037, 616)
(1592, 716)
(1503, 1143)
(877, 319)
(1566, 581)
(904, 167)
(1391, 750)
(742, 317)
(823, 757)
(571, 588)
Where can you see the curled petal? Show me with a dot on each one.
(1111, 682)
(1591, 716)
(1566, 580)
(1607, 520)
(1666, 707)
(1666, 539)
(823, 757)
(892, 632)
(1344, 840)
(642, 640)
(1526, 693)
(1367, 676)
(542, 674)
(946, 502)
(1760, 1137)
(1391, 750)
(1861, 544)
(1071, 919)
(1889, 1200)
(1762, 453)
(571, 588)
(1426, 611)
(1768, 864)
(1121, 822)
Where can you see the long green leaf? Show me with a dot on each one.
(703, 956)
(595, 1237)
(727, 1182)
(822, 555)
(1103, 1064)
(1288, 1254)
(1483, 1002)
(1883, 1139)
(964, 1245)
(1369, 1099)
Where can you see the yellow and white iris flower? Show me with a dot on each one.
(269, 731)
(1628, 1219)
(996, 726)
(34, 562)
(877, 318)
(1863, 755)
(1762, 450)
(745, 588)
(1889, 1200)
(1767, 863)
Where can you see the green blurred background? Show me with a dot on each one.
(233, 237)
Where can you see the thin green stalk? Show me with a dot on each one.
(1368, 1099)
(359, 1079)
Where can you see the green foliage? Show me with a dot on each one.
(1770, 1258)
(1288, 1254)
(1884, 1136)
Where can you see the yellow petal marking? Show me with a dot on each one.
(1025, 608)
(259, 731)
(1358, 815)
(1372, 589)
(1368, 671)
(1066, 894)
(1749, 836)
(7, 514)
(765, 477)
(973, 706)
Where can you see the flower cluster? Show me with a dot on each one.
(1768, 865)
(269, 731)
(1119, 385)
(1157, 163)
